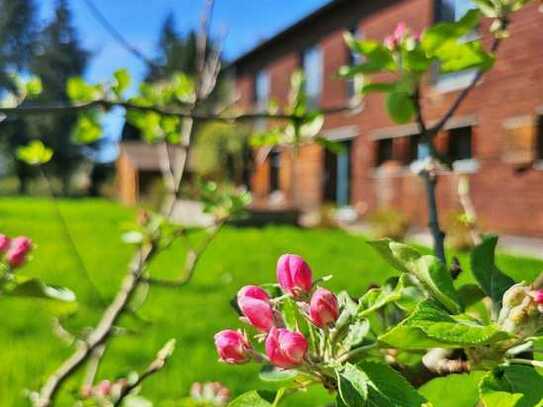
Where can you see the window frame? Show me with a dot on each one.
(305, 53)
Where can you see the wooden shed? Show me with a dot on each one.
(138, 170)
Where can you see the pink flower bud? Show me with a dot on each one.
(232, 346)
(538, 297)
(4, 243)
(294, 275)
(323, 309)
(103, 389)
(284, 348)
(21, 244)
(18, 250)
(15, 259)
(400, 31)
(254, 303)
(390, 42)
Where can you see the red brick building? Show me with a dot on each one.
(496, 136)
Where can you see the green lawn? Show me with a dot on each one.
(29, 350)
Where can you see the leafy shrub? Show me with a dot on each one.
(388, 223)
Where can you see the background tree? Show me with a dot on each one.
(58, 57)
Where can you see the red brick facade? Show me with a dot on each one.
(503, 112)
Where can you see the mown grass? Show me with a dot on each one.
(29, 349)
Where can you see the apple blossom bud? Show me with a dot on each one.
(294, 275)
(285, 348)
(103, 389)
(323, 309)
(21, 244)
(18, 250)
(400, 31)
(538, 297)
(232, 346)
(390, 42)
(255, 304)
(4, 243)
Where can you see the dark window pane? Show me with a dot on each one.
(384, 151)
(539, 151)
(460, 144)
(275, 162)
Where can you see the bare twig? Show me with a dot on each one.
(60, 108)
(102, 332)
(192, 259)
(155, 366)
(93, 364)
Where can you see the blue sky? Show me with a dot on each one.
(247, 23)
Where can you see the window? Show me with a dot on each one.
(384, 151)
(459, 147)
(337, 175)
(453, 10)
(311, 61)
(261, 94)
(353, 58)
(275, 163)
(261, 90)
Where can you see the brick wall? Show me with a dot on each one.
(506, 200)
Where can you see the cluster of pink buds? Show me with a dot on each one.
(284, 348)
(214, 393)
(103, 390)
(16, 250)
(402, 34)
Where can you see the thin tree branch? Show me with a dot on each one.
(61, 108)
(192, 259)
(155, 366)
(464, 93)
(93, 364)
(120, 304)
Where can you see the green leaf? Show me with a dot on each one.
(376, 384)
(352, 386)
(512, 386)
(270, 373)
(250, 399)
(378, 87)
(377, 57)
(332, 146)
(358, 330)
(429, 271)
(400, 106)
(80, 91)
(32, 287)
(487, 7)
(290, 313)
(35, 153)
(442, 33)
(122, 81)
(87, 129)
(439, 390)
(493, 282)
(312, 124)
(416, 60)
(455, 56)
(431, 326)
(34, 86)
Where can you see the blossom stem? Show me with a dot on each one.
(348, 355)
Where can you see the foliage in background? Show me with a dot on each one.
(388, 222)
(221, 152)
